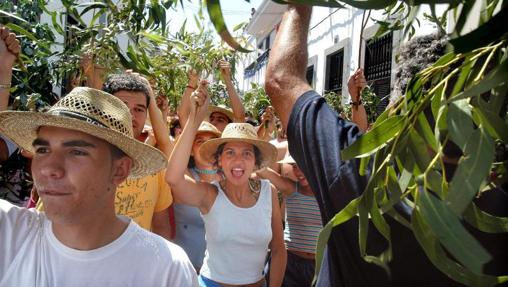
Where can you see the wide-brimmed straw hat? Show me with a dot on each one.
(207, 127)
(223, 110)
(240, 132)
(90, 111)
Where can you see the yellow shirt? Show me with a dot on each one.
(139, 198)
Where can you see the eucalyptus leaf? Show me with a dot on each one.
(374, 139)
(473, 168)
(451, 233)
(484, 221)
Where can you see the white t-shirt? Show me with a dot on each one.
(31, 255)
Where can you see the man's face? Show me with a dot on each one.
(219, 120)
(199, 140)
(74, 174)
(136, 101)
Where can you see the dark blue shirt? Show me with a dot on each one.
(316, 135)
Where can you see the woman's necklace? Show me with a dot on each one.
(205, 171)
(254, 187)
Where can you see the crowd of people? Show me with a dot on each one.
(127, 193)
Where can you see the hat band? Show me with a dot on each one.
(77, 116)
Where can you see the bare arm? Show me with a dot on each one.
(183, 111)
(94, 74)
(202, 193)
(160, 224)
(159, 125)
(355, 86)
(285, 75)
(236, 102)
(267, 126)
(9, 50)
(283, 184)
(279, 253)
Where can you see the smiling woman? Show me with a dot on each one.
(241, 216)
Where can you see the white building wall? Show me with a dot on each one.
(331, 30)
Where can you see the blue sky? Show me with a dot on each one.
(235, 12)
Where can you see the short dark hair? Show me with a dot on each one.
(116, 152)
(220, 149)
(126, 82)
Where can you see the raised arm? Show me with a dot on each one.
(185, 104)
(185, 189)
(9, 50)
(355, 86)
(236, 101)
(283, 184)
(267, 125)
(159, 125)
(285, 75)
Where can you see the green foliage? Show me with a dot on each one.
(33, 76)
(369, 100)
(334, 100)
(255, 100)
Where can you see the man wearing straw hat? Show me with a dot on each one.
(83, 149)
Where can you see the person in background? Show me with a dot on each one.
(219, 116)
(241, 215)
(145, 199)
(303, 223)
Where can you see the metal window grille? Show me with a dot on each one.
(378, 66)
(309, 75)
(334, 66)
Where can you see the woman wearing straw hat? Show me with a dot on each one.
(242, 217)
(190, 229)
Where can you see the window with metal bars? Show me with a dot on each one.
(334, 69)
(309, 75)
(378, 66)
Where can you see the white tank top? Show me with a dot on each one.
(237, 238)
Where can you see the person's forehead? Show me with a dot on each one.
(239, 145)
(205, 135)
(131, 97)
(219, 115)
(61, 135)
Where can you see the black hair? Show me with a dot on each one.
(173, 125)
(116, 152)
(413, 57)
(220, 149)
(126, 82)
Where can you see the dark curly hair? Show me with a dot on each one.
(126, 82)
(413, 57)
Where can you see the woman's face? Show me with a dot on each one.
(238, 161)
(299, 175)
(198, 141)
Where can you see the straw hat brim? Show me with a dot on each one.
(217, 134)
(268, 151)
(216, 109)
(21, 128)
